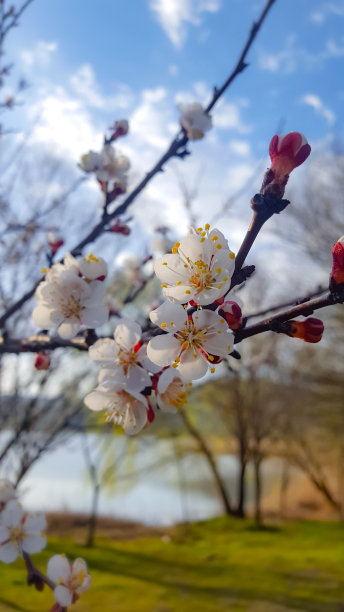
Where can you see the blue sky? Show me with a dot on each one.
(90, 62)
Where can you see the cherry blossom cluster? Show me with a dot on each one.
(198, 320)
(23, 534)
(129, 381)
(106, 165)
(71, 296)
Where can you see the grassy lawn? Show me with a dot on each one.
(217, 565)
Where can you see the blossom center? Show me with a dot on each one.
(17, 534)
(127, 358)
(190, 337)
(175, 394)
(71, 307)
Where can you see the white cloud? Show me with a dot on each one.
(61, 122)
(291, 58)
(319, 107)
(85, 85)
(40, 55)
(175, 15)
(240, 147)
(327, 9)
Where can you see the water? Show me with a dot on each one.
(163, 492)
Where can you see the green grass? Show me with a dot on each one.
(217, 565)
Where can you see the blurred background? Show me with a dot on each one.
(263, 438)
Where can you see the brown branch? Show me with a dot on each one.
(274, 323)
(177, 148)
(294, 302)
(34, 576)
(241, 64)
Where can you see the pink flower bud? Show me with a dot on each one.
(287, 152)
(120, 228)
(337, 274)
(231, 312)
(310, 330)
(120, 128)
(42, 361)
(55, 242)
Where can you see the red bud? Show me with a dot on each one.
(310, 330)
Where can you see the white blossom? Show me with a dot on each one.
(170, 391)
(20, 532)
(193, 342)
(125, 354)
(124, 406)
(93, 268)
(194, 120)
(107, 166)
(67, 301)
(72, 579)
(199, 268)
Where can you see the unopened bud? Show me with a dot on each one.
(337, 274)
(287, 152)
(55, 242)
(42, 361)
(93, 268)
(120, 128)
(310, 330)
(232, 314)
(120, 228)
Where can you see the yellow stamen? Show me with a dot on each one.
(214, 238)
(163, 325)
(231, 255)
(91, 257)
(207, 226)
(219, 246)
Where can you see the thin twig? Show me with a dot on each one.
(273, 323)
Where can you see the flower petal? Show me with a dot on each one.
(94, 317)
(192, 365)
(170, 317)
(58, 568)
(163, 350)
(69, 328)
(127, 333)
(8, 553)
(63, 596)
(104, 349)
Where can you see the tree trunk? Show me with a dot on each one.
(92, 523)
(211, 462)
(258, 489)
(240, 511)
